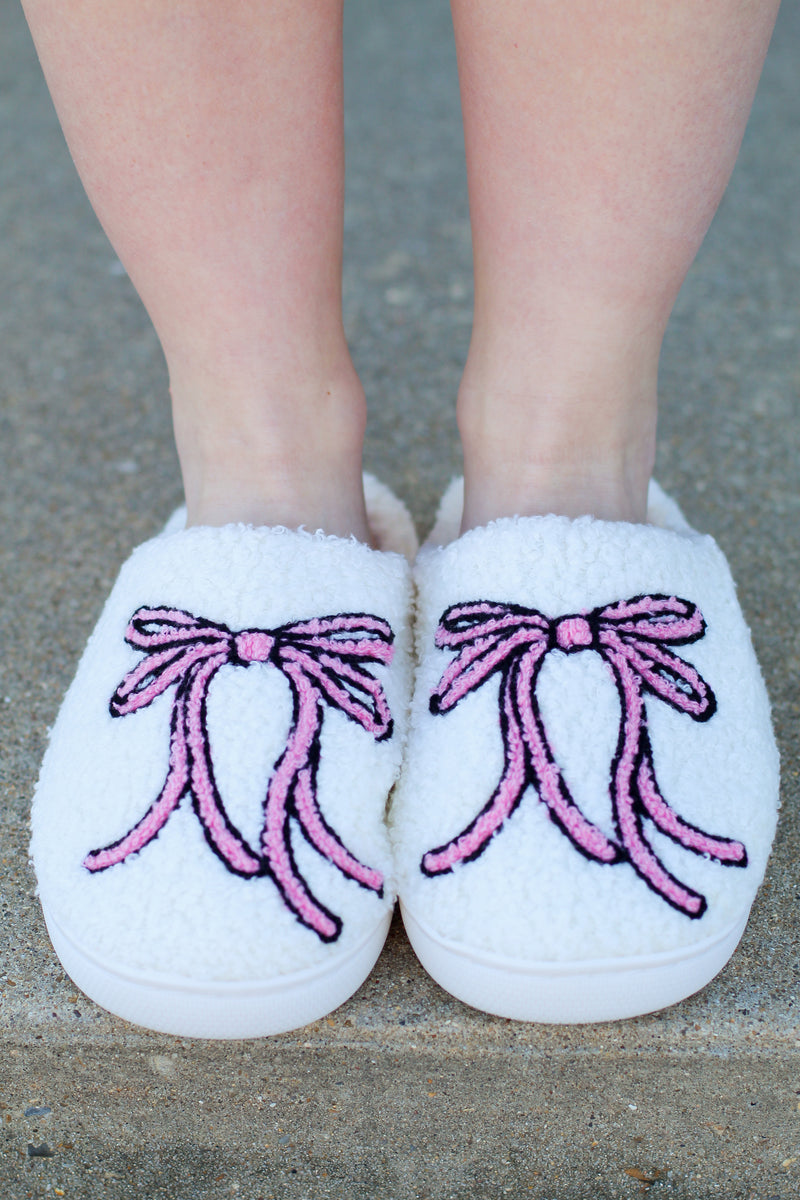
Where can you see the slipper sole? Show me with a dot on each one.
(570, 993)
(217, 1008)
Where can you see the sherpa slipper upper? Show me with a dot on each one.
(208, 828)
(591, 782)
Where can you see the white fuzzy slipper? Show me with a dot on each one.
(208, 827)
(591, 782)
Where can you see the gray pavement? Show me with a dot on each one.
(403, 1092)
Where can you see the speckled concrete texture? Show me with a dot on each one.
(403, 1093)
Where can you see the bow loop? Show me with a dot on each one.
(334, 654)
(487, 637)
(655, 618)
(465, 624)
(351, 635)
(663, 673)
(174, 642)
(170, 628)
(641, 630)
(346, 686)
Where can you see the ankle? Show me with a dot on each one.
(528, 455)
(289, 458)
(599, 490)
(325, 498)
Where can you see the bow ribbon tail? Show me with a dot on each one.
(724, 850)
(473, 840)
(221, 835)
(160, 810)
(545, 773)
(280, 807)
(319, 833)
(189, 770)
(629, 808)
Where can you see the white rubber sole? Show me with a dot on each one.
(570, 993)
(218, 1009)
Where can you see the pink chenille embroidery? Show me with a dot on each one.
(325, 661)
(631, 637)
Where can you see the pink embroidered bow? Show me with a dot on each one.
(631, 637)
(324, 661)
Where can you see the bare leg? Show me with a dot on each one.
(209, 138)
(600, 137)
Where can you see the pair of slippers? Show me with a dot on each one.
(583, 775)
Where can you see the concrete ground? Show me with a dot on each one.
(403, 1092)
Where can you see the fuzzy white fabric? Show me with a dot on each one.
(174, 907)
(531, 895)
